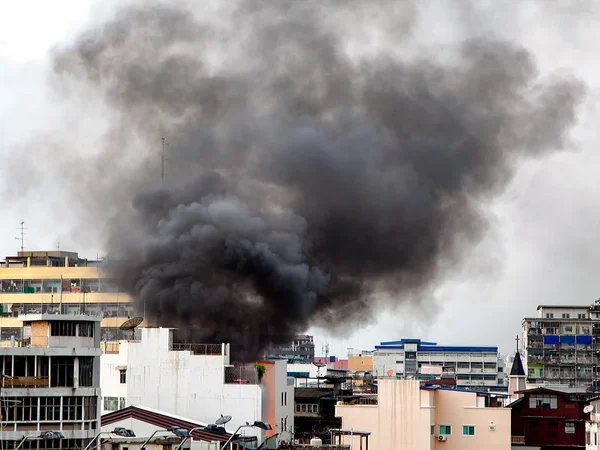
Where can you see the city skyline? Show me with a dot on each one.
(537, 251)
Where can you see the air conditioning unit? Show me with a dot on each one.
(442, 438)
(296, 441)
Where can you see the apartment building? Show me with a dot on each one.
(409, 416)
(472, 367)
(562, 345)
(197, 381)
(301, 349)
(51, 383)
(59, 281)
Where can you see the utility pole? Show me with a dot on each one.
(162, 160)
(22, 237)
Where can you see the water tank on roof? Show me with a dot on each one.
(316, 442)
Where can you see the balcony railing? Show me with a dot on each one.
(241, 375)
(517, 440)
(199, 349)
(25, 382)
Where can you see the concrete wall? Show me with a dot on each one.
(360, 363)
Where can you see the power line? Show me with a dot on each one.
(22, 237)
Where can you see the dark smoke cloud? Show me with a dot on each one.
(301, 180)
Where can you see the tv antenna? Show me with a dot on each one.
(325, 350)
(165, 144)
(22, 230)
(131, 324)
(222, 420)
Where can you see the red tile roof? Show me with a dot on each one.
(161, 420)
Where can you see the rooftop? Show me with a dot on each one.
(58, 317)
(564, 306)
(424, 346)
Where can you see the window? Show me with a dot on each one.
(111, 403)
(121, 402)
(463, 365)
(62, 328)
(62, 371)
(304, 408)
(123, 376)
(86, 329)
(86, 363)
(581, 316)
(549, 315)
(570, 428)
(72, 408)
(543, 401)
(432, 430)
(90, 406)
(50, 408)
(446, 429)
(468, 430)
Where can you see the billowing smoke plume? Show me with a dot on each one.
(301, 180)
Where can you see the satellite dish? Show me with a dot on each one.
(131, 323)
(223, 420)
(588, 409)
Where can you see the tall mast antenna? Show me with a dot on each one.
(162, 160)
(22, 237)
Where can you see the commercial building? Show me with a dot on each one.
(60, 281)
(409, 416)
(196, 381)
(51, 382)
(562, 346)
(592, 425)
(472, 367)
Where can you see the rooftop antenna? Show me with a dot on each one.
(162, 160)
(325, 350)
(58, 246)
(22, 237)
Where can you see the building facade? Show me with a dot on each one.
(301, 349)
(592, 426)
(408, 416)
(59, 281)
(471, 367)
(562, 346)
(51, 382)
(549, 418)
(196, 381)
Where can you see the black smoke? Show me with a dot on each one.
(302, 180)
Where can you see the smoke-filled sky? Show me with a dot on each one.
(421, 171)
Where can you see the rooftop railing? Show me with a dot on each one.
(199, 349)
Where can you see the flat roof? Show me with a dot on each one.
(442, 349)
(58, 317)
(564, 306)
(350, 432)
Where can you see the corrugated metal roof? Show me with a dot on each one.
(163, 420)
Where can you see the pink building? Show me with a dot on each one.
(408, 417)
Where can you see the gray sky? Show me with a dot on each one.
(540, 248)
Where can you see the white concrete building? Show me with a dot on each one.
(592, 426)
(195, 381)
(51, 382)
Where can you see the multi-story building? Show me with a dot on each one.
(408, 416)
(471, 367)
(197, 381)
(40, 282)
(562, 346)
(51, 382)
(302, 349)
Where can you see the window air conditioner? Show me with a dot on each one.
(442, 438)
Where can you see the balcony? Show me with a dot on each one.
(517, 440)
(241, 375)
(26, 382)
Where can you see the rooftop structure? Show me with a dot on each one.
(301, 349)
